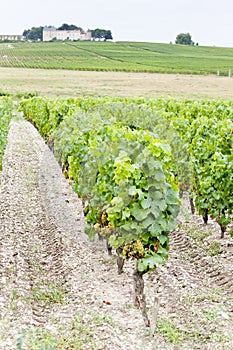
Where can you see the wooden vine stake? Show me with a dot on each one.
(154, 316)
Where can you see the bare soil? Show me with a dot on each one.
(60, 291)
(67, 83)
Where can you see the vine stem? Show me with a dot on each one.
(192, 206)
(222, 226)
(139, 296)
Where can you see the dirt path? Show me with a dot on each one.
(59, 290)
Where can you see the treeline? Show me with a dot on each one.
(36, 33)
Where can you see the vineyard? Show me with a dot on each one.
(119, 56)
(133, 162)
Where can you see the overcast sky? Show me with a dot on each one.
(208, 21)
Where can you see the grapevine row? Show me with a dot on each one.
(5, 116)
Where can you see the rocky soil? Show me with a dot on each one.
(60, 291)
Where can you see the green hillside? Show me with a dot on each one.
(117, 56)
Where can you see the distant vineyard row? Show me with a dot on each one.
(120, 56)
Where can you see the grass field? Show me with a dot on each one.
(66, 83)
(118, 56)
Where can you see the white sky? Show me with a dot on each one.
(208, 21)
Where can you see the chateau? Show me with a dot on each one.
(51, 33)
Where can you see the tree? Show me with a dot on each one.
(101, 34)
(34, 34)
(25, 32)
(66, 26)
(108, 35)
(184, 39)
